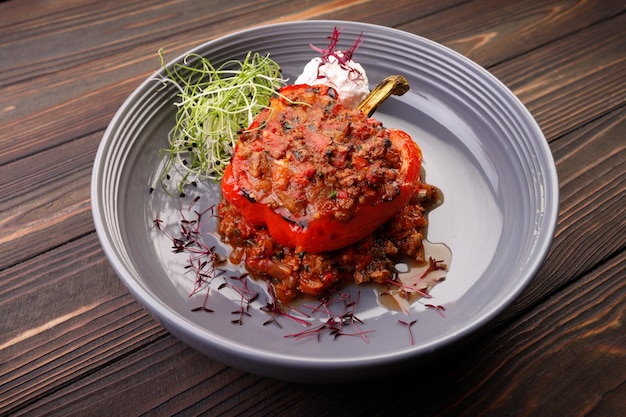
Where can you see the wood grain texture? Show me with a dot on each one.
(591, 165)
(73, 341)
(490, 33)
(526, 378)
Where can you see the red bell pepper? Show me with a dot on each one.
(318, 232)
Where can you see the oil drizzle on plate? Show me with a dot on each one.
(418, 279)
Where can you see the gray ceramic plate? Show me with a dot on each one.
(481, 147)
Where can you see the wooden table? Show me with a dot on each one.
(73, 341)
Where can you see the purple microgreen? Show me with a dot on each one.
(273, 308)
(434, 265)
(158, 223)
(246, 296)
(336, 325)
(331, 50)
(343, 57)
(407, 289)
(202, 259)
(337, 309)
(440, 309)
(409, 326)
(203, 307)
(423, 293)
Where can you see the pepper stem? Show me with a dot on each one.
(394, 84)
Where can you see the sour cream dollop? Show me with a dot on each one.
(348, 79)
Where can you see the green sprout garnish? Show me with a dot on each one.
(215, 105)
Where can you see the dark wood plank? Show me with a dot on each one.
(39, 216)
(89, 31)
(491, 34)
(580, 333)
(114, 55)
(45, 199)
(87, 85)
(392, 13)
(111, 74)
(492, 31)
(561, 96)
(499, 367)
(110, 312)
(591, 164)
(74, 342)
(79, 318)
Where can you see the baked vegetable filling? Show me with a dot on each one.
(318, 194)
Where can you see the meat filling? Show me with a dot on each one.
(307, 158)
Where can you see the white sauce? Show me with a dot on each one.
(351, 85)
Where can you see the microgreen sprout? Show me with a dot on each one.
(434, 265)
(409, 325)
(203, 261)
(215, 104)
(439, 308)
(331, 50)
(343, 57)
(246, 296)
(336, 312)
(336, 325)
(274, 309)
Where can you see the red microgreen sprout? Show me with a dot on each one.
(434, 265)
(202, 259)
(336, 325)
(203, 262)
(275, 310)
(438, 308)
(409, 326)
(247, 296)
(203, 307)
(408, 288)
(343, 57)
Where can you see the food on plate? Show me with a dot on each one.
(318, 175)
(318, 194)
(214, 104)
(337, 69)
